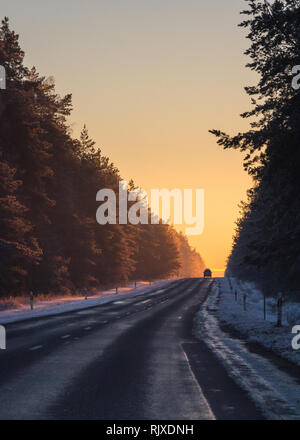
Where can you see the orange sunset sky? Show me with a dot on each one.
(150, 78)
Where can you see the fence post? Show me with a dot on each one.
(235, 295)
(279, 309)
(31, 299)
(135, 284)
(244, 302)
(86, 293)
(117, 291)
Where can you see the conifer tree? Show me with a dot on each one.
(268, 233)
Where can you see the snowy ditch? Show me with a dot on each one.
(275, 392)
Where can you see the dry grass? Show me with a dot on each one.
(11, 302)
(41, 300)
(18, 302)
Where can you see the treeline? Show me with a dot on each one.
(267, 240)
(49, 238)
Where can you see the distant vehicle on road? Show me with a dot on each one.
(207, 273)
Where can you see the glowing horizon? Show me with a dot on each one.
(150, 79)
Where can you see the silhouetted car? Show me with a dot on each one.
(207, 273)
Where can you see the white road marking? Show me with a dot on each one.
(206, 406)
(146, 301)
(36, 347)
(160, 291)
(65, 336)
(87, 328)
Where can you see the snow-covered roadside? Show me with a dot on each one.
(276, 393)
(251, 323)
(63, 305)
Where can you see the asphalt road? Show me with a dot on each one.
(135, 358)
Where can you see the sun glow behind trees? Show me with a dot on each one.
(50, 241)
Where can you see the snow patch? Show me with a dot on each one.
(276, 393)
(63, 305)
(251, 322)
